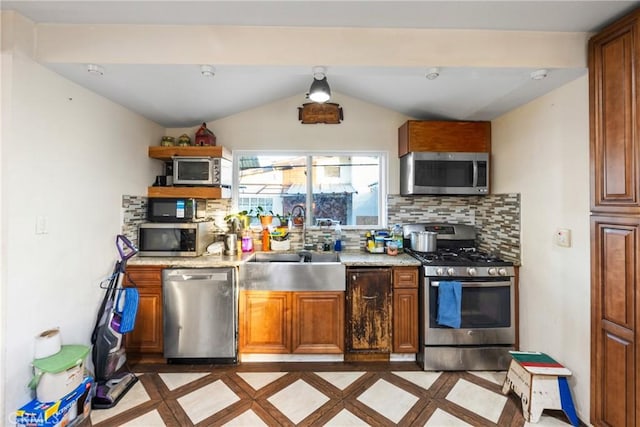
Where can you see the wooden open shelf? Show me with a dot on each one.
(166, 153)
(195, 192)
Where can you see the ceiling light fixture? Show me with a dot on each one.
(433, 73)
(319, 90)
(207, 71)
(539, 74)
(94, 69)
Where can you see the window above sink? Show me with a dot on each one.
(331, 187)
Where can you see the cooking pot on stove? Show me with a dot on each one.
(424, 241)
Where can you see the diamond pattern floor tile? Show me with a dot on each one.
(496, 377)
(178, 379)
(421, 379)
(257, 380)
(298, 400)
(477, 399)
(345, 418)
(341, 380)
(442, 418)
(246, 419)
(207, 400)
(377, 398)
(150, 419)
(136, 395)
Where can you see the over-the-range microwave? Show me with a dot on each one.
(444, 173)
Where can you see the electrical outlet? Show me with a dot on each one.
(563, 237)
(41, 225)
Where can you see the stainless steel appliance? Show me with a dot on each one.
(487, 308)
(201, 171)
(200, 316)
(167, 209)
(174, 239)
(444, 173)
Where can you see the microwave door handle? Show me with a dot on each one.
(475, 173)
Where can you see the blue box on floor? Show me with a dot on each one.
(68, 411)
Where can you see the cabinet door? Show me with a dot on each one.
(369, 310)
(614, 124)
(615, 314)
(147, 336)
(446, 136)
(405, 309)
(318, 322)
(265, 322)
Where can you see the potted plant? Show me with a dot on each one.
(265, 216)
(284, 219)
(238, 221)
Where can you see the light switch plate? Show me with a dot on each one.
(42, 226)
(563, 237)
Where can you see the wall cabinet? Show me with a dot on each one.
(369, 310)
(444, 136)
(405, 310)
(146, 338)
(167, 153)
(614, 78)
(291, 322)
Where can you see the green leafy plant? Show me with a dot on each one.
(259, 212)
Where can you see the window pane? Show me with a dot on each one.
(275, 182)
(345, 190)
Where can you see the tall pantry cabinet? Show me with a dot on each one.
(614, 93)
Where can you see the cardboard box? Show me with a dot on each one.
(68, 411)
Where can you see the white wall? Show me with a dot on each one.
(67, 155)
(541, 150)
(275, 126)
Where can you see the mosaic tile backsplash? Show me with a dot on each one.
(496, 218)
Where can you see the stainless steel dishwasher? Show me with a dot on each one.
(200, 315)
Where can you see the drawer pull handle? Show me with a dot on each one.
(373, 297)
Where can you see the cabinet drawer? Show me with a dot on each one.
(144, 276)
(405, 277)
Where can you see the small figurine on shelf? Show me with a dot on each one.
(204, 137)
(184, 140)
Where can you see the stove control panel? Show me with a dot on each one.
(461, 271)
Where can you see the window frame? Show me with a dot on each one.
(383, 176)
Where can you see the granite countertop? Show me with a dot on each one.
(348, 258)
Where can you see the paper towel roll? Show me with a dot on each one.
(48, 343)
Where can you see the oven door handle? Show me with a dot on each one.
(496, 284)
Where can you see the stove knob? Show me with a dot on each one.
(440, 271)
(492, 271)
(451, 271)
(502, 271)
(471, 271)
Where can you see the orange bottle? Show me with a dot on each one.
(266, 240)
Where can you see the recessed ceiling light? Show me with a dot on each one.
(207, 71)
(433, 73)
(95, 69)
(539, 74)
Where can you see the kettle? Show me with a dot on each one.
(230, 244)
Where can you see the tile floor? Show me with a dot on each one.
(315, 394)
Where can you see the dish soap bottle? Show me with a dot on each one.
(398, 237)
(337, 238)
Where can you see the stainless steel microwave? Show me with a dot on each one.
(176, 209)
(183, 239)
(444, 173)
(205, 171)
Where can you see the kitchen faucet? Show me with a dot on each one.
(301, 214)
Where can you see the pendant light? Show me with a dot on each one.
(319, 90)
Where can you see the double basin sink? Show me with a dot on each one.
(293, 271)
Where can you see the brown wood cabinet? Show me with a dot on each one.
(444, 136)
(145, 341)
(369, 310)
(405, 309)
(166, 153)
(291, 322)
(614, 88)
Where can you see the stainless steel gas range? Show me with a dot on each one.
(477, 289)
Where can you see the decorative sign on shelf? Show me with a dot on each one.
(314, 112)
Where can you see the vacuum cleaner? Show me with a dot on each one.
(115, 318)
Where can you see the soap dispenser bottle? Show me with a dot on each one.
(337, 238)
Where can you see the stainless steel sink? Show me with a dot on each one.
(293, 271)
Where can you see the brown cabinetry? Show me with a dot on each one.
(166, 153)
(291, 322)
(405, 310)
(146, 338)
(368, 314)
(614, 77)
(444, 136)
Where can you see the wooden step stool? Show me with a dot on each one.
(541, 383)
